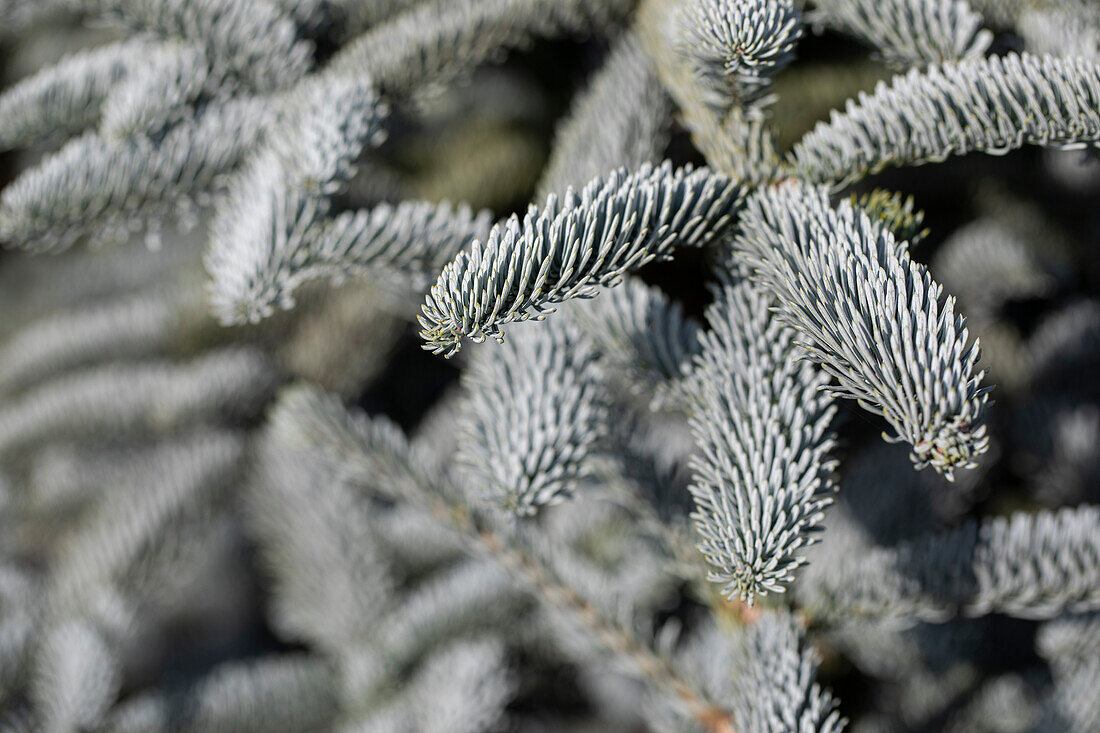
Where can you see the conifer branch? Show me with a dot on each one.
(157, 94)
(613, 637)
(909, 32)
(436, 41)
(734, 138)
(570, 247)
(31, 286)
(463, 688)
(762, 473)
(434, 546)
(130, 518)
(248, 41)
(1065, 28)
(274, 694)
(640, 333)
(75, 677)
(299, 532)
(534, 415)
(153, 396)
(290, 241)
(872, 318)
(991, 105)
(474, 594)
(375, 452)
(774, 683)
(274, 230)
(1029, 566)
(140, 325)
(68, 474)
(1069, 641)
(64, 98)
(101, 187)
(734, 48)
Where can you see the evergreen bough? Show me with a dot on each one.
(571, 246)
(872, 318)
(534, 533)
(990, 105)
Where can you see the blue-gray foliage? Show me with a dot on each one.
(236, 498)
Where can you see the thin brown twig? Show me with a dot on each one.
(618, 640)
